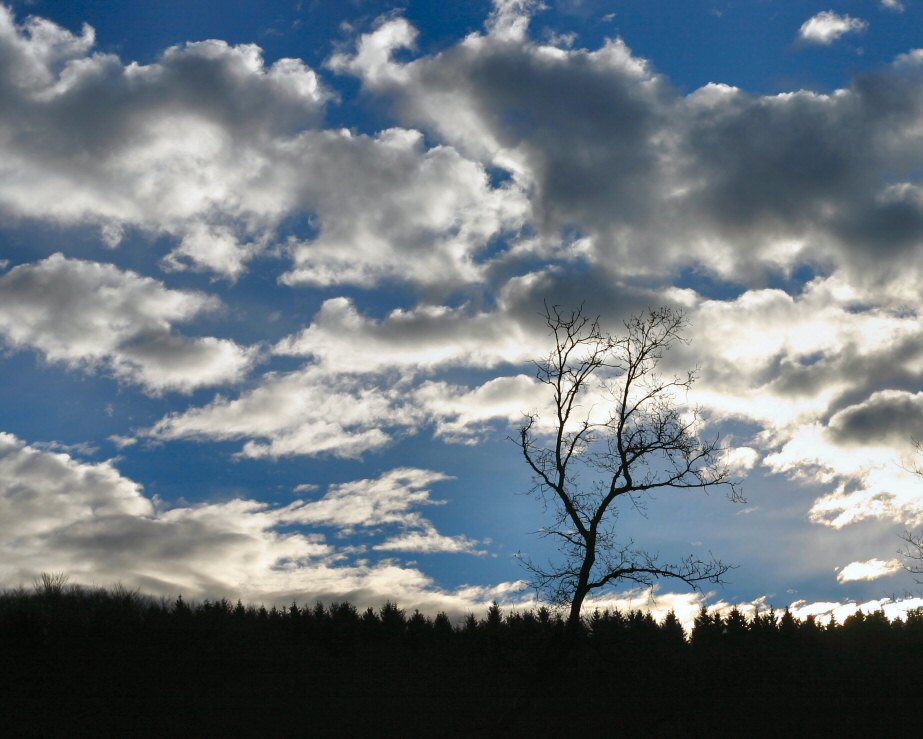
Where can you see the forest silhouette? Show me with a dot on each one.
(80, 661)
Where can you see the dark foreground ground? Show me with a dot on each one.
(77, 662)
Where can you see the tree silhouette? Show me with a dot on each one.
(913, 552)
(616, 432)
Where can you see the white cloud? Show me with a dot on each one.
(461, 412)
(39, 489)
(426, 337)
(871, 569)
(312, 411)
(824, 611)
(61, 515)
(88, 520)
(211, 146)
(91, 315)
(180, 146)
(303, 412)
(427, 540)
(389, 499)
(827, 26)
(735, 185)
(215, 149)
(389, 208)
(740, 460)
(611, 171)
(509, 19)
(895, 5)
(820, 381)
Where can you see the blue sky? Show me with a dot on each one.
(270, 275)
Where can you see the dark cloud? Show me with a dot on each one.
(886, 418)
(723, 179)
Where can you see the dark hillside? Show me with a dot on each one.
(81, 662)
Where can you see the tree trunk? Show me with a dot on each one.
(573, 620)
(580, 592)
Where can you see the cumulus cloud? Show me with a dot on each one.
(609, 180)
(740, 460)
(213, 147)
(427, 540)
(303, 412)
(387, 500)
(389, 208)
(368, 381)
(177, 146)
(92, 315)
(830, 384)
(870, 485)
(817, 351)
(871, 569)
(312, 412)
(820, 380)
(87, 519)
(41, 488)
(827, 26)
(608, 163)
(895, 5)
(887, 417)
(60, 514)
(426, 337)
(647, 181)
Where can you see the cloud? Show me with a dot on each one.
(894, 5)
(516, 170)
(313, 412)
(827, 26)
(740, 460)
(643, 181)
(824, 358)
(870, 485)
(92, 315)
(646, 181)
(830, 374)
(304, 412)
(41, 488)
(429, 541)
(509, 19)
(824, 611)
(212, 147)
(891, 417)
(63, 515)
(387, 500)
(388, 208)
(426, 337)
(461, 412)
(179, 146)
(59, 514)
(869, 570)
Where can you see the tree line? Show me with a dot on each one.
(118, 662)
(53, 609)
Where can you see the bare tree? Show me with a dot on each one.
(617, 432)
(913, 553)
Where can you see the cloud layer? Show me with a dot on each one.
(86, 519)
(89, 315)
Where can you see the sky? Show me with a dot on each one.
(271, 276)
